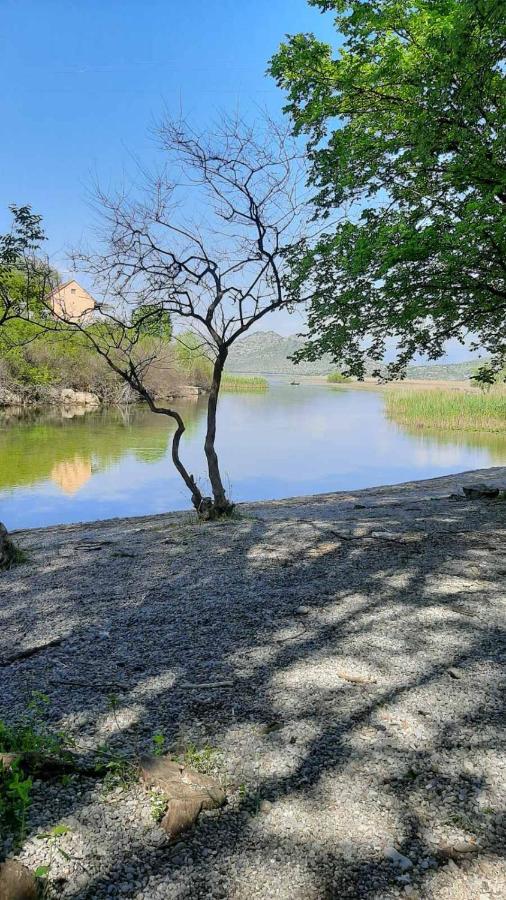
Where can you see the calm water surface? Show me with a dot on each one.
(290, 440)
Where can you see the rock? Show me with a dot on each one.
(455, 673)
(17, 882)
(356, 679)
(270, 727)
(480, 491)
(187, 791)
(187, 391)
(458, 849)
(9, 398)
(7, 548)
(70, 397)
(265, 806)
(398, 859)
(302, 611)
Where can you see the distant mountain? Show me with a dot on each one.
(460, 371)
(266, 353)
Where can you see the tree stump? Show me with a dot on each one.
(7, 548)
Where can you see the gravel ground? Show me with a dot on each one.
(355, 644)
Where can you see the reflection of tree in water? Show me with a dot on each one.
(37, 446)
(492, 441)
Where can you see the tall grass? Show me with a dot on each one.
(243, 383)
(452, 409)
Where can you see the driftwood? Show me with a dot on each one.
(187, 792)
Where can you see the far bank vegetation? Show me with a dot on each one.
(470, 409)
(35, 364)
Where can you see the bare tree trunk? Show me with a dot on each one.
(199, 502)
(197, 498)
(221, 505)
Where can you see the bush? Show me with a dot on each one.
(337, 378)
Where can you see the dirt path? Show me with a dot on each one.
(357, 646)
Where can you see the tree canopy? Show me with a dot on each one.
(25, 279)
(405, 124)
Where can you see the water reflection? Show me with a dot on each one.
(70, 475)
(494, 443)
(64, 467)
(68, 445)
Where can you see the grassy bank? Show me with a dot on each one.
(243, 383)
(464, 410)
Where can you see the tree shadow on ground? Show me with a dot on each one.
(411, 758)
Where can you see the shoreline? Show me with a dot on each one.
(334, 661)
(302, 504)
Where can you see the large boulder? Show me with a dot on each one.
(70, 397)
(7, 548)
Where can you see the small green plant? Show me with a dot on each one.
(158, 805)
(158, 742)
(118, 771)
(53, 837)
(17, 556)
(202, 760)
(25, 746)
(15, 790)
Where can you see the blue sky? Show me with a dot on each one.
(84, 81)
(89, 78)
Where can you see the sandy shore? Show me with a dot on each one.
(339, 656)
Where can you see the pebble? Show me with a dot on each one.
(398, 859)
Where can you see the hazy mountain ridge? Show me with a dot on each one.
(266, 353)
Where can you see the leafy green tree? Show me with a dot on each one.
(153, 320)
(25, 279)
(405, 124)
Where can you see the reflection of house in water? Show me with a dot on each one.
(70, 475)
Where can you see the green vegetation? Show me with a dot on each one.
(26, 745)
(449, 409)
(243, 383)
(405, 126)
(203, 760)
(338, 378)
(24, 279)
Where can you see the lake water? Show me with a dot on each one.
(291, 440)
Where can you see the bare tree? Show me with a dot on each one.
(205, 243)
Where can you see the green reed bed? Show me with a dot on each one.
(338, 378)
(452, 409)
(243, 383)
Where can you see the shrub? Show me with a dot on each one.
(337, 378)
